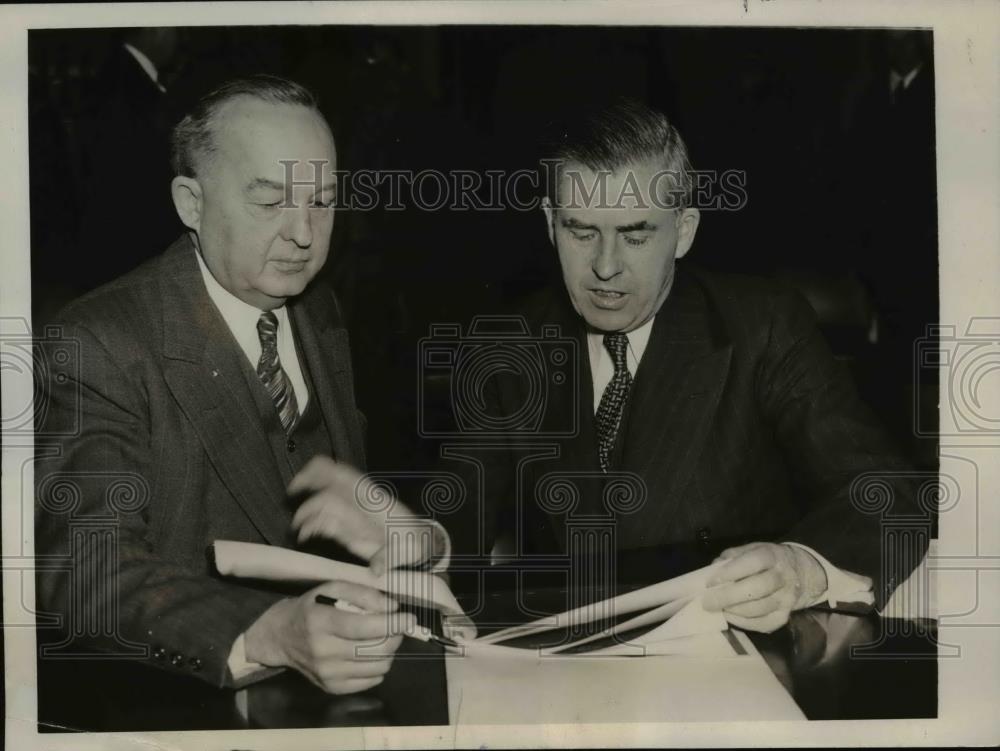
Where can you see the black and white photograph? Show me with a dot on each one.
(469, 375)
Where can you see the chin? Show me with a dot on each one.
(607, 320)
(288, 286)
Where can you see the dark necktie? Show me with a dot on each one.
(272, 375)
(609, 411)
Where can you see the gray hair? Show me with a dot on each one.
(192, 139)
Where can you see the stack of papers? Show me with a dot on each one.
(674, 604)
(690, 671)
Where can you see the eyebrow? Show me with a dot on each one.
(643, 226)
(263, 182)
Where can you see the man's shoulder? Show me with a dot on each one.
(737, 288)
(743, 302)
(131, 306)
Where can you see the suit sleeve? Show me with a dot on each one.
(95, 491)
(837, 453)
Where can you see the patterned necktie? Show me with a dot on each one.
(272, 375)
(609, 411)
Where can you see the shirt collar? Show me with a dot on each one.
(638, 339)
(240, 316)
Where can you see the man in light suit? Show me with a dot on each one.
(717, 394)
(202, 382)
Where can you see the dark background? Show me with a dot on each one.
(840, 175)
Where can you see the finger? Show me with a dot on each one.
(755, 608)
(352, 685)
(765, 625)
(361, 667)
(732, 552)
(324, 473)
(372, 627)
(315, 475)
(745, 590)
(318, 523)
(360, 596)
(748, 562)
(379, 561)
(307, 511)
(380, 648)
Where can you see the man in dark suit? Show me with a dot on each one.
(708, 411)
(200, 384)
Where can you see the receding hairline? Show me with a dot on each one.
(221, 120)
(656, 164)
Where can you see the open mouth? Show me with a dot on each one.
(608, 299)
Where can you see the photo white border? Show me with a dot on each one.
(967, 96)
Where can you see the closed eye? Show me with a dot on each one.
(636, 241)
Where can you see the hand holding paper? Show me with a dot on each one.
(255, 561)
(761, 583)
(346, 506)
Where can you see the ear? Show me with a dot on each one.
(188, 201)
(687, 226)
(550, 219)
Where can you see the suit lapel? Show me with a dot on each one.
(323, 345)
(674, 399)
(566, 408)
(203, 367)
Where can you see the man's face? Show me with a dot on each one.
(618, 258)
(264, 225)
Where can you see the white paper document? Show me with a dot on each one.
(273, 563)
(661, 594)
(674, 604)
(588, 688)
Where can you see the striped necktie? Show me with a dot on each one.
(609, 411)
(272, 375)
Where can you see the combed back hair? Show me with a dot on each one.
(625, 133)
(193, 138)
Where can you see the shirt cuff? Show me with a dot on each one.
(841, 586)
(239, 666)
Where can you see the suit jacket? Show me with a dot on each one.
(740, 426)
(155, 437)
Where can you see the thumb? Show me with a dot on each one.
(379, 561)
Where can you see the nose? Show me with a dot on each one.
(607, 262)
(298, 226)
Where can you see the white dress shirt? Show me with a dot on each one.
(842, 586)
(147, 65)
(241, 318)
